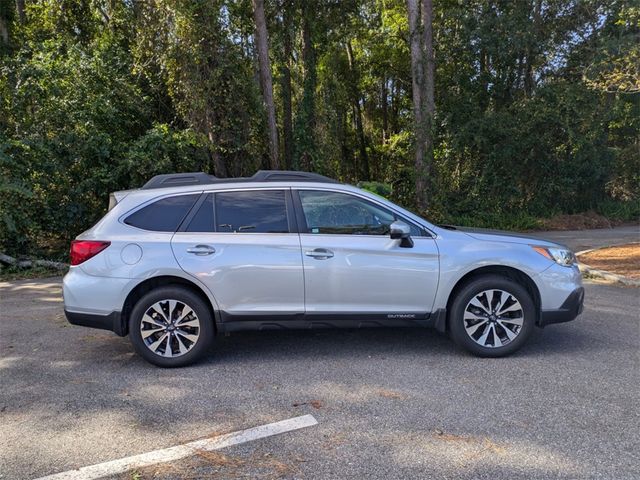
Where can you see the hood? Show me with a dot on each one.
(489, 235)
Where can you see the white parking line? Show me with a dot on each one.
(181, 451)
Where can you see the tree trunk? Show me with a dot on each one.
(518, 81)
(417, 79)
(4, 32)
(357, 113)
(262, 45)
(385, 109)
(429, 99)
(345, 169)
(219, 167)
(529, 80)
(309, 60)
(306, 118)
(287, 120)
(20, 7)
(395, 107)
(429, 57)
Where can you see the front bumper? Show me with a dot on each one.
(569, 310)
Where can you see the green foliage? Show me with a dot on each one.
(15, 196)
(379, 188)
(72, 108)
(207, 77)
(511, 221)
(620, 211)
(615, 65)
(537, 112)
(160, 150)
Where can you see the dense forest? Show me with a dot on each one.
(486, 112)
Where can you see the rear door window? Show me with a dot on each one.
(164, 215)
(251, 212)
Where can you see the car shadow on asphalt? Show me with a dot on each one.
(354, 343)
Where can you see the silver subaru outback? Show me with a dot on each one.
(190, 256)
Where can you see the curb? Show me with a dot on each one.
(603, 274)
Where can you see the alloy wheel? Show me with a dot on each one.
(170, 328)
(493, 318)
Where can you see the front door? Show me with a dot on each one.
(242, 245)
(352, 266)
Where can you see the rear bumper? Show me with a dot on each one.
(111, 321)
(569, 310)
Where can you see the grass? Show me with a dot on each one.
(9, 274)
(619, 211)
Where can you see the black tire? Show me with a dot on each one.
(206, 330)
(475, 287)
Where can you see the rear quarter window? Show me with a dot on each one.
(164, 215)
(203, 220)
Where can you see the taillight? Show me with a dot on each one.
(83, 250)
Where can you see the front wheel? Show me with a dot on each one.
(492, 316)
(171, 327)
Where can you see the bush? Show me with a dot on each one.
(162, 150)
(16, 220)
(620, 211)
(379, 188)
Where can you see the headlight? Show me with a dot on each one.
(561, 256)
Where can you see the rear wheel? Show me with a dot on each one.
(492, 316)
(171, 327)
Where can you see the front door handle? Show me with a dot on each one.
(319, 253)
(201, 250)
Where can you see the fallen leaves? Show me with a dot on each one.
(317, 404)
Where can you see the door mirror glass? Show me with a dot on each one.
(401, 231)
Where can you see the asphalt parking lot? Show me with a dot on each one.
(400, 403)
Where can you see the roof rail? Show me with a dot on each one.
(179, 180)
(289, 176)
(201, 178)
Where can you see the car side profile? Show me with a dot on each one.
(190, 256)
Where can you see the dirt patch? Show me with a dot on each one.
(391, 394)
(622, 260)
(577, 221)
(215, 465)
(473, 448)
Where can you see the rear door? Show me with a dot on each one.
(242, 244)
(351, 264)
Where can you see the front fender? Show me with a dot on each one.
(460, 256)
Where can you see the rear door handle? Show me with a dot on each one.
(201, 250)
(319, 253)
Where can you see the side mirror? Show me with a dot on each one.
(401, 231)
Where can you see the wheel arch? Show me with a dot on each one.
(152, 283)
(509, 272)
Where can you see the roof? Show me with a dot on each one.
(201, 178)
